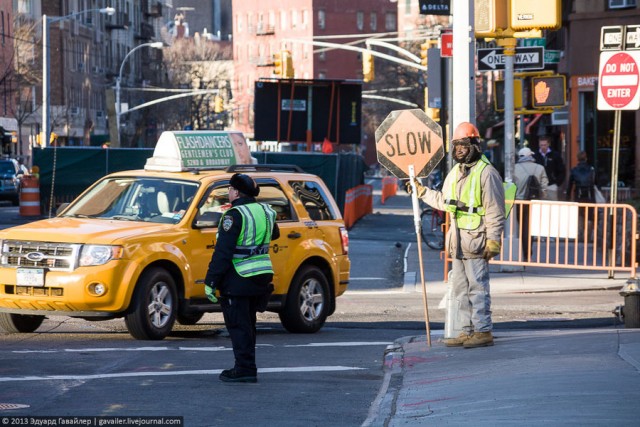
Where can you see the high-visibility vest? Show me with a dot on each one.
(467, 211)
(251, 256)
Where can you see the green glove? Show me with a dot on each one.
(420, 190)
(210, 292)
(491, 249)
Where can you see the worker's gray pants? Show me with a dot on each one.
(470, 297)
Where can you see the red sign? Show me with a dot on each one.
(618, 81)
(446, 45)
(409, 138)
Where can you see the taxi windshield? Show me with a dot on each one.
(135, 199)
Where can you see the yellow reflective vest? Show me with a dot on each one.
(468, 211)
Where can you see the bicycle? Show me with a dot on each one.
(431, 230)
(432, 220)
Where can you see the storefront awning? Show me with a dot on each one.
(9, 124)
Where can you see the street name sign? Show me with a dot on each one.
(409, 138)
(618, 80)
(526, 58)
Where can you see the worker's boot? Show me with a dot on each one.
(479, 339)
(458, 341)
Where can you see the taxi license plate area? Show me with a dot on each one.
(30, 277)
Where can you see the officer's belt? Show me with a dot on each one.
(244, 252)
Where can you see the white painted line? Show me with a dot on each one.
(367, 278)
(339, 344)
(171, 373)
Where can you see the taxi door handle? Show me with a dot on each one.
(294, 235)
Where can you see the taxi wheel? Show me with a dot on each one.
(20, 323)
(154, 306)
(307, 303)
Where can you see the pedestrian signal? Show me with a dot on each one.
(498, 94)
(548, 91)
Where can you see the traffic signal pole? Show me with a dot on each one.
(509, 45)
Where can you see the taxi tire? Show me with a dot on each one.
(20, 323)
(155, 285)
(308, 283)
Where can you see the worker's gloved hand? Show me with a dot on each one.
(491, 249)
(210, 292)
(420, 189)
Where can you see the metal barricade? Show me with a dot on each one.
(585, 236)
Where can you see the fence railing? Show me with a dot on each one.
(589, 236)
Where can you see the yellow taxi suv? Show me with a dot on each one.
(137, 244)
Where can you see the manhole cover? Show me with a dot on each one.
(5, 406)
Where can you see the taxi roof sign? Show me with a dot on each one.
(178, 151)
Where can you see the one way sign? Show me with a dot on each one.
(526, 58)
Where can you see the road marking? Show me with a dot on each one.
(170, 373)
(339, 344)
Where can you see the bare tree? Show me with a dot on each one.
(197, 64)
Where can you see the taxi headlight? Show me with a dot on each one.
(99, 254)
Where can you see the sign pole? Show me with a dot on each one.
(613, 195)
(416, 221)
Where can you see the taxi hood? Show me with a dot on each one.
(82, 230)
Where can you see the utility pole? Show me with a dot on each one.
(464, 108)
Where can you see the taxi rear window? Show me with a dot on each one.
(314, 199)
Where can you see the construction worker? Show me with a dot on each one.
(473, 195)
(241, 270)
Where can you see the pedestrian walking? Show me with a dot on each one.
(581, 189)
(531, 183)
(241, 271)
(473, 196)
(553, 166)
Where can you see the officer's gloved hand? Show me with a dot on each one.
(420, 189)
(491, 249)
(210, 292)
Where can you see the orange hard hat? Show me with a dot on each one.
(465, 130)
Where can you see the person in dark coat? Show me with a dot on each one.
(581, 189)
(553, 166)
(241, 271)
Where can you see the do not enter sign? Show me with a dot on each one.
(409, 138)
(618, 81)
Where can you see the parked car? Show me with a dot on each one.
(9, 181)
(137, 244)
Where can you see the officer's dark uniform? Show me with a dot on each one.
(240, 297)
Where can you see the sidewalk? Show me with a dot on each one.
(529, 377)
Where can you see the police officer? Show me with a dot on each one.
(473, 195)
(241, 270)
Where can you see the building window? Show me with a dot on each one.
(294, 18)
(360, 20)
(621, 4)
(283, 20)
(239, 23)
(305, 18)
(322, 55)
(390, 21)
(321, 19)
(407, 7)
(373, 21)
(322, 75)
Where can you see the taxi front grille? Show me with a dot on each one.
(53, 256)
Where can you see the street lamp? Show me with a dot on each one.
(155, 45)
(46, 132)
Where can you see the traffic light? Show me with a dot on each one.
(498, 94)
(287, 65)
(424, 49)
(548, 91)
(490, 17)
(218, 105)
(277, 64)
(368, 70)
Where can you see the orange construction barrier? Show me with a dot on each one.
(29, 196)
(389, 187)
(358, 202)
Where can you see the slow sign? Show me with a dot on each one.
(409, 138)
